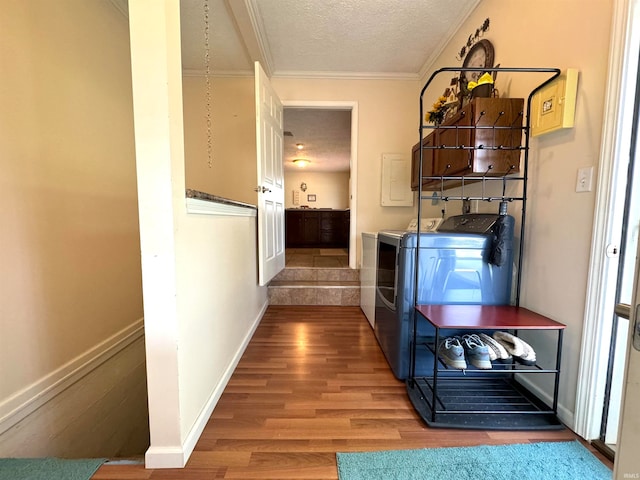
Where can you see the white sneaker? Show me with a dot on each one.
(521, 350)
(496, 350)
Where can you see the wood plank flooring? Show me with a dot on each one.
(312, 382)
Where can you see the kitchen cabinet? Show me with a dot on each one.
(427, 162)
(483, 139)
(302, 228)
(317, 228)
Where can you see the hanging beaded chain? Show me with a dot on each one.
(207, 62)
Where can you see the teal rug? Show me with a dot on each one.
(48, 468)
(531, 461)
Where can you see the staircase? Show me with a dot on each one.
(315, 277)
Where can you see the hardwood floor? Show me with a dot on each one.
(311, 383)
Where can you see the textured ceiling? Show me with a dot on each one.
(325, 134)
(318, 38)
(356, 37)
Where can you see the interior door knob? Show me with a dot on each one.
(261, 189)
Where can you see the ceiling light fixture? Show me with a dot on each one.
(301, 162)
(299, 146)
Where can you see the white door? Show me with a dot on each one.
(627, 464)
(270, 179)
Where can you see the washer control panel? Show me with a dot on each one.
(470, 223)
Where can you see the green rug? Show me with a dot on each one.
(48, 468)
(531, 461)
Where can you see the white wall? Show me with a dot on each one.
(219, 306)
(559, 220)
(202, 301)
(69, 243)
(330, 188)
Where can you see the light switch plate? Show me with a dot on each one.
(584, 183)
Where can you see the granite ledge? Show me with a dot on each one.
(214, 198)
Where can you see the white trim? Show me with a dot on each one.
(177, 456)
(353, 177)
(301, 75)
(165, 457)
(444, 42)
(345, 75)
(250, 29)
(255, 18)
(565, 415)
(607, 223)
(353, 187)
(22, 403)
(205, 207)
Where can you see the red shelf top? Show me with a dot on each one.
(486, 317)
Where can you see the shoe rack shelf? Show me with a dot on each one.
(484, 399)
(483, 148)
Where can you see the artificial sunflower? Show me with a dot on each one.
(436, 114)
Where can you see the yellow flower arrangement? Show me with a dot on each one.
(436, 114)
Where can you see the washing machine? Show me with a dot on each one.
(468, 260)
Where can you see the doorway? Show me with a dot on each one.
(325, 135)
(600, 375)
(623, 295)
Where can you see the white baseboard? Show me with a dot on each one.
(177, 457)
(565, 415)
(166, 457)
(22, 403)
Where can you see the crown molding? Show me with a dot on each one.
(307, 75)
(250, 29)
(347, 75)
(437, 51)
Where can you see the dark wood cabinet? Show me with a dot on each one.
(310, 227)
(482, 139)
(317, 228)
(302, 228)
(427, 160)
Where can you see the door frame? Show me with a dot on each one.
(353, 164)
(607, 223)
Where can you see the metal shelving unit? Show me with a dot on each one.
(484, 398)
